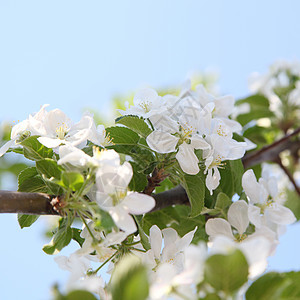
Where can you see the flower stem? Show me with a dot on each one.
(105, 262)
(87, 227)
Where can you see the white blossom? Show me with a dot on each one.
(264, 210)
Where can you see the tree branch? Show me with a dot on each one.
(288, 173)
(271, 152)
(171, 197)
(43, 204)
(27, 203)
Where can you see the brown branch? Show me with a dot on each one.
(154, 180)
(27, 203)
(171, 197)
(43, 204)
(288, 173)
(270, 152)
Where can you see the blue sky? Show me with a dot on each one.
(77, 54)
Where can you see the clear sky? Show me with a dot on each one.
(77, 54)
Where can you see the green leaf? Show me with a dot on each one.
(76, 236)
(80, 295)
(257, 100)
(31, 182)
(135, 123)
(122, 135)
(144, 238)
(72, 180)
(259, 108)
(226, 273)
(293, 202)
(223, 202)
(49, 168)
(194, 186)
(129, 280)
(61, 238)
(34, 150)
(50, 173)
(104, 221)
(231, 177)
(139, 180)
(275, 286)
(178, 218)
(26, 220)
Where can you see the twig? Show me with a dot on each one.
(269, 153)
(154, 180)
(288, 173)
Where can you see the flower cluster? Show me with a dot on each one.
(281, 85)
(194, 120)
(54, 129)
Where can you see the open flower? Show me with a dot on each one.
(59, 129)
(146, 104)
(112, 195)
(222, 148)
(182, 135)
(31, 126)
(264, 209)
(173, 247)
(224, 239)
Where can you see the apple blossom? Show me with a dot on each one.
(264, 210)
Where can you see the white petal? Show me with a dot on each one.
(18, 129)
(250, 145)
(256, 252)
(164, 123)
(146, 95)
(103, 200)
(155, 240)
(250, 186)
(272, 186)
(122, 219)
(162, 142)
(49, 142)
(185, 241)
(217, 226)
(170, 236)
(254, 215)
(199, 143)
(72, 155)
(137, 203)
(280, 214)
(224, 105)
(238, 216)
(6, 146)
(110, 179)
(187, 159)
(212, 179)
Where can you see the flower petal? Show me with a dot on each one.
(49, 142)
(122, 219)
(217, 226)
(138, 204)
(212, 181)
(155, 240)
(280, 214)
(250, 186)
(6, 146)
(238, 216)
(254, 215)
(162, 142)
(187, 159)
